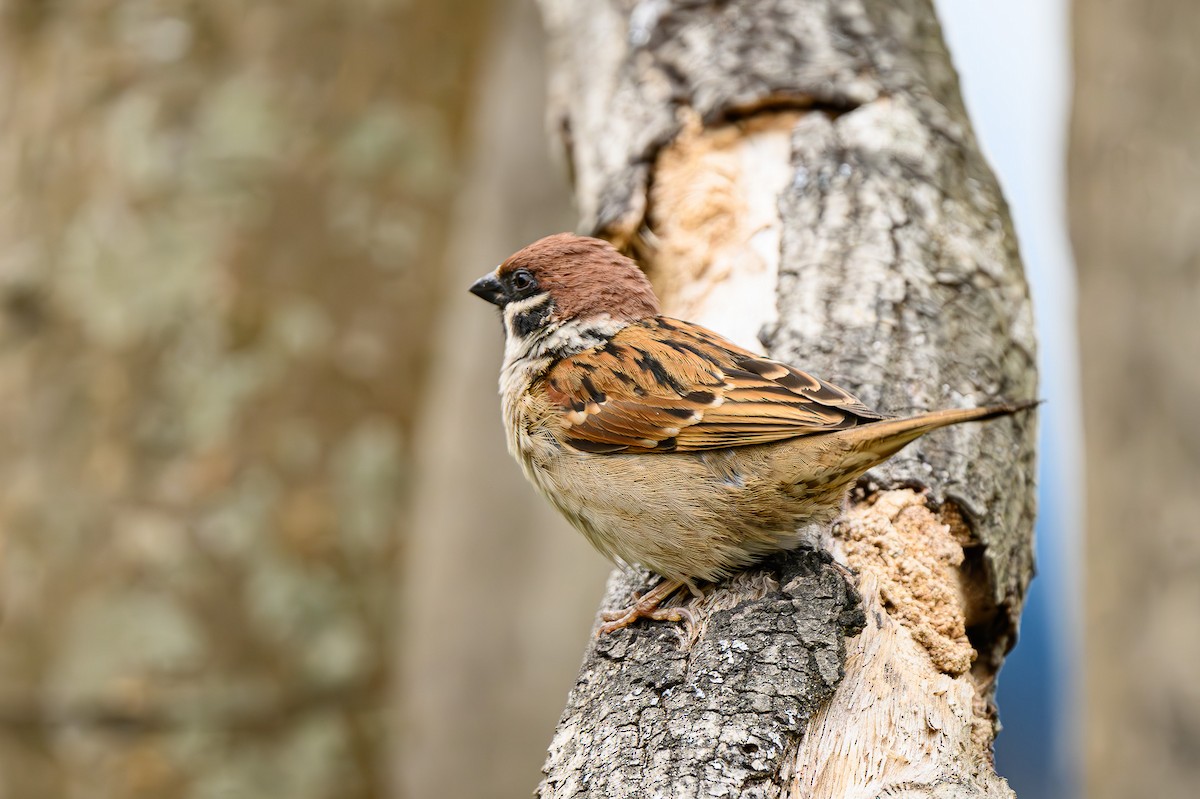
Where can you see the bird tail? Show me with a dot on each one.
(887, 437)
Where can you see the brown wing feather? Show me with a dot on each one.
(662, 385)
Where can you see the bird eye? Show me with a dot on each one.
(522, 281)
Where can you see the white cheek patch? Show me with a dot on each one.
(525, 321)
(521, 306)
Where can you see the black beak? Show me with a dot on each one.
(489, 288)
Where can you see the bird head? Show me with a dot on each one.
(566, 279)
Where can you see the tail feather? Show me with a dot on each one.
(885, 438)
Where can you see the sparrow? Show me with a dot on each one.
(665, 444)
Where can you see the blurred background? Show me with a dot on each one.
(258, 533)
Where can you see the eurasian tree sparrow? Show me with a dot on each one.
(663, 443)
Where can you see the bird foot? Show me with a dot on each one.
(621, 619)
(647, 607)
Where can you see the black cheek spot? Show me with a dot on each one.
(530, 321)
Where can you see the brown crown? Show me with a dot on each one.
(586, 277)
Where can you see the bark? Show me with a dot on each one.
(1134, 191)
(215, 280)
(803, 177)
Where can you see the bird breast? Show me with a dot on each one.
(687, 516)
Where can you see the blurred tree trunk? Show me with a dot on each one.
(497, 590)
(219, 251)
(1134, 186)
(803, 177)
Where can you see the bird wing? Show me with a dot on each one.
(662, 385)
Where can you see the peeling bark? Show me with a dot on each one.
(802, 176)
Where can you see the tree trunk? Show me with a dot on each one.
(1134, 186)
(492, 633)
(216, 240)
(802, 176)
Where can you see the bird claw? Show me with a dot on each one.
(647, 607)
(613, 615)
(621, 619)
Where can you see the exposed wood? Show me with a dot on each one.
(803, 177)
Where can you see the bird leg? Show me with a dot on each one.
(647, 607)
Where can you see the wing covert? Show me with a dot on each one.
(662, 385)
